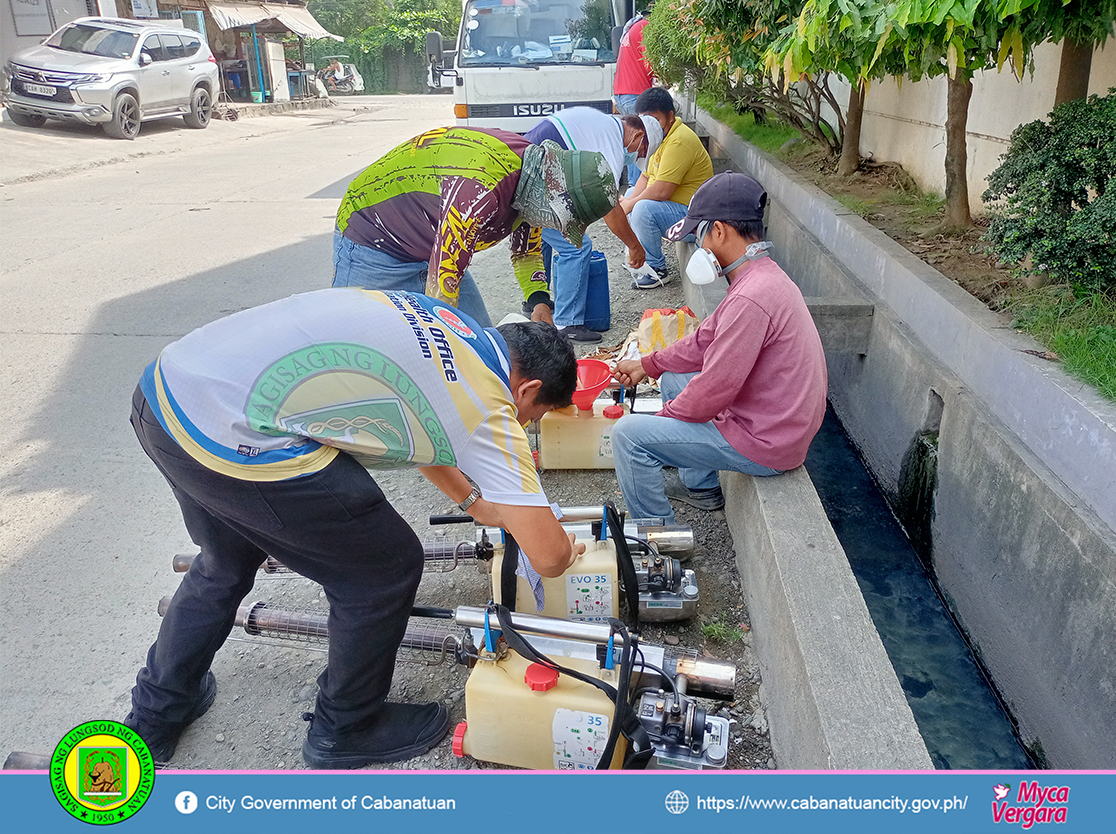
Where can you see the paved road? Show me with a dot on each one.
(59, 148)
(110, 250)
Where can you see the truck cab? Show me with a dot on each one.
(516, 61)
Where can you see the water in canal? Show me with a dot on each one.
(958, 715)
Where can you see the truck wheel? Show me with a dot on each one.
(26, 119)
(201, 109)
(125, 123)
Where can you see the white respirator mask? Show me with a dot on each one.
(703, 268)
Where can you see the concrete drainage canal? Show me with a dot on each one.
(958, 713)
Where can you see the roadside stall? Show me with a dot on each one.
(260, 48)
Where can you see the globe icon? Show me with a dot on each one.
(677, 802)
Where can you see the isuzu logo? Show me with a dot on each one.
(536, 109)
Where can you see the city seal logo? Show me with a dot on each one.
(454, 322)
(102, 772)
(383, 421)
(389, 417)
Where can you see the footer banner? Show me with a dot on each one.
(104, 788)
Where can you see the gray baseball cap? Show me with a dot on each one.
(727, 196)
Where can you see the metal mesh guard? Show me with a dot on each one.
(424, 642)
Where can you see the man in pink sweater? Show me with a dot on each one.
(746, 391)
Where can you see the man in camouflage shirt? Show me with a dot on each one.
(414, 218)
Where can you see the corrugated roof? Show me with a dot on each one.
(296, 18)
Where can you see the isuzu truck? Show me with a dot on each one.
(516, 61)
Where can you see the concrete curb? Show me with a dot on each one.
(249, 110)
(832, 698)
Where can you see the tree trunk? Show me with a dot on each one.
(1073, 74)
(850, 147)
(957, 216)
(397, 70)
(410, 65)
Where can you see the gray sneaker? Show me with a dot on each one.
(579, 333)
(703, 499)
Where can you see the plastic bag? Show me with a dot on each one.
(662, 327)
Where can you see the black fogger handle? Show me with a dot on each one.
(451, 519)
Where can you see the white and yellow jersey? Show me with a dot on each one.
(394, 379)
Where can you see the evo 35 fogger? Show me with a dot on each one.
(656, 586)
(591, 589)
(549, 694)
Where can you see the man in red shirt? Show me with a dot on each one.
(744, 392)
(633, 72)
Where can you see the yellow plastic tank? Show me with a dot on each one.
(572, 438)
(521, 714)
(588, 592)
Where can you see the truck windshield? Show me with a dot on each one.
(94, 40)
(519, 32)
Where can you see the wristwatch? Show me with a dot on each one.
(470, 500)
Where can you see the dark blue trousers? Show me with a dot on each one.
(334, 527)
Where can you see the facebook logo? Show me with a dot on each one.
(186, 802)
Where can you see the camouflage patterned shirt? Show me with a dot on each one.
(440, 197)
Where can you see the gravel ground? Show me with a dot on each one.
(263, 688)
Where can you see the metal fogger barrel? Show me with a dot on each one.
(433, 641)
(590, 590)
(525, 714)
(441, 555)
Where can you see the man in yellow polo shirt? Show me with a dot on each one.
(674, 174)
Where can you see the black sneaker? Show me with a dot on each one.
(703, 499)
(579, 333)
(401, 732)
(162, 737)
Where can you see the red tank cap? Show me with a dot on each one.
(540, 678)
(614, 412)
(459, 739)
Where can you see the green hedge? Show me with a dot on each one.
(1055, 195)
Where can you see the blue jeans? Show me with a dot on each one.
(625, 103)
(633, 174)
(650, 219)
(355, 265)
(642, 444)
(570, 278)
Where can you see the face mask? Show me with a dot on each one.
(629, 157)
(703, 267)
